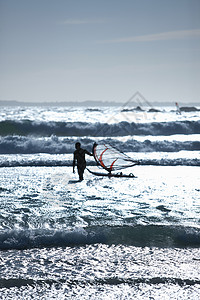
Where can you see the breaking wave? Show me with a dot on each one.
(56, 145)
(27, 127)
(57, 161)
(141, 236)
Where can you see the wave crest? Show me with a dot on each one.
(81, 129)
(150, 236)
(56, 145)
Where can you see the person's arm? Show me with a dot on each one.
(88, 153)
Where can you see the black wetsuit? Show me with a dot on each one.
(79, 156)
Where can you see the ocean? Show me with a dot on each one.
(101, 238)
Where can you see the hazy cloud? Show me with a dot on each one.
(171, 35)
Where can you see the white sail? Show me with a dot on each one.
(111, 159)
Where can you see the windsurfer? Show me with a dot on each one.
(178, 111)
(79, 157)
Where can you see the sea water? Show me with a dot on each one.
(102, 238)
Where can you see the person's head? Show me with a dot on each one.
(78, 145)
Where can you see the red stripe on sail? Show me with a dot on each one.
(111, 166)
(100, 158)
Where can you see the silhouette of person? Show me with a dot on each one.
(79, 157)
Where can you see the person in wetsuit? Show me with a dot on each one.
(79, 157)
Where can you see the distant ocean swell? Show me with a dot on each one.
(56, 145)
(141, 236)
(27, 127)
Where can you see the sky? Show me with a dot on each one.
(79, 50)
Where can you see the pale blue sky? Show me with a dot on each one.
(77, 50)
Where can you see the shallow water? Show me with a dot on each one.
(102, 238)
(101, 272)
(158, 195)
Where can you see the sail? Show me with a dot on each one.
(111, 159)
(178, 111)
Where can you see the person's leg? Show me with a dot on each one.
(80, 173)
